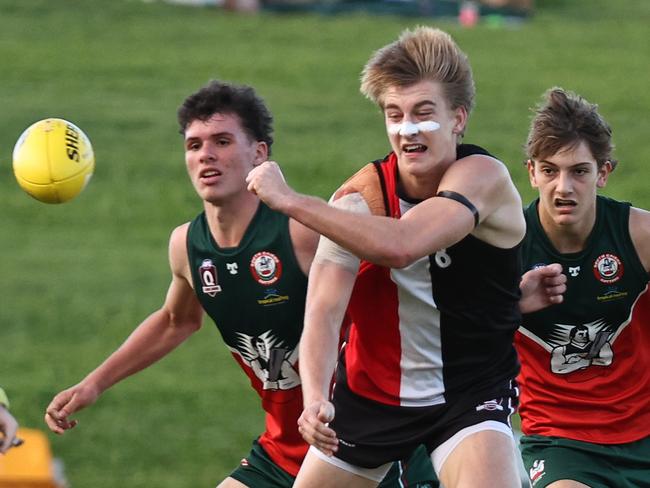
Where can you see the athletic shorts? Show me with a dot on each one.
(257, 470)
(372, 434)
(415, 472)
(549, 459)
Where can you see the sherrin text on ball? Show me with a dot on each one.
(53, 160)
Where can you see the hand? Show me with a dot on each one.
(541, 287)
(267, 182)
(65, 404)
(313, 425)
(9, 427)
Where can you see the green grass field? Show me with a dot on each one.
(77, 278)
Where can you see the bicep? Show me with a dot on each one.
(181, 302)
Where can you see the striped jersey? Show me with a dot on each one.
(439, 328)
(585, 363)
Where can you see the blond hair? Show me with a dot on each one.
(424, 53)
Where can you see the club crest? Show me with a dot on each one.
(266, 268)
(608, 268)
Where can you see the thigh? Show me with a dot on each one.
(568, 484)
(485, 458)
(257, 470)
(317, 472)
(231, 483)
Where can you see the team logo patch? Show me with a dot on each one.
(208, 274)
(608, 268)
(266, 268)
(537, 471)
(491, 405)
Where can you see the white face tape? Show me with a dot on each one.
(410, 129)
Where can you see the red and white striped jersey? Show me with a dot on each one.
(442, 326)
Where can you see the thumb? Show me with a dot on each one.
(325, 413)
(552, 269)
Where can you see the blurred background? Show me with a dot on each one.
(77, 278)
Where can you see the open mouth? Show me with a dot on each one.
(209, 173)
(561, 203)
(414, 148)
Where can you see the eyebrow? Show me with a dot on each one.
(416, 106)
(213, 135)
(543, 161)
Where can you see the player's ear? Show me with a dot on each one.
(603, 173)
(530, 166)
(261, 153)
(460, 120)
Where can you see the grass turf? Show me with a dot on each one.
(76, 278)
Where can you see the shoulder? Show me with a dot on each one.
(480, 162)
(178, 236)
(178, 249)
(367, 183)
(304, 242)
(486, 183)
(640, 234)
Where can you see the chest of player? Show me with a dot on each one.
(252, 290)
(603, 281)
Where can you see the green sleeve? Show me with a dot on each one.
(3, 398)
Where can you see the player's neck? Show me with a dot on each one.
(569, 239)
(228, 222)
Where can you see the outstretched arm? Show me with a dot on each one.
(434, 224)
(161, 332)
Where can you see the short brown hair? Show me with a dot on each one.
(424, 53)
(564, 120)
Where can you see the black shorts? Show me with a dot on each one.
(372, 434)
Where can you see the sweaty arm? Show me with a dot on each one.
(433, 224)
(180, 316)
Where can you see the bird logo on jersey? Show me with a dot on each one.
(270, 359)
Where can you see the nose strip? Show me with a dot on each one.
(410, 129)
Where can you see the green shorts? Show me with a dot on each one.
(549, 459)
(258, 470)
(416, 472)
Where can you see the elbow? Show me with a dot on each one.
(185, 325)
(397, 255)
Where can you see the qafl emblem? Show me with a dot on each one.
(208, 274)
(266, 268)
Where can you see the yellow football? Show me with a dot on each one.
(53, 160)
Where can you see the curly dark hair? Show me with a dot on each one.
(227, 98)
